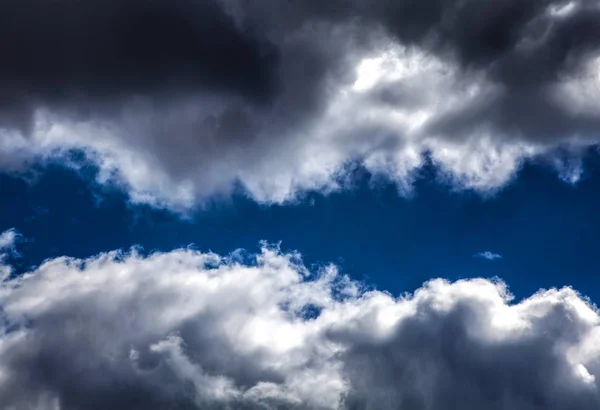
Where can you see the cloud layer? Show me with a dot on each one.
(180, 101)
(186, 330)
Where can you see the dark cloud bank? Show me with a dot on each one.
(179, 101)
(186, 330)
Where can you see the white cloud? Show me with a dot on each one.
(487, 255)
(190, 330)
(8, 239)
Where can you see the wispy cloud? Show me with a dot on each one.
(7, 239)
(7, 247)
(488, 255)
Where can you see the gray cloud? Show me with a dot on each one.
(186, 330)
(181, 101)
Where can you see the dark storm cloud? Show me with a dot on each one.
(56, 50)
(52, 50)
(181, 100)
(519, 45)
(527, 108)
(476, 33)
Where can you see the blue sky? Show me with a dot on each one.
(546, 230)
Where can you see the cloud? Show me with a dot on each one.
(8, 239)
(487, 255)
(183, 101)
(188, 330)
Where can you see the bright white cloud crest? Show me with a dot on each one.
(187, 330)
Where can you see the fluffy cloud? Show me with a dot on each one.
(186, 330)
(180, 101)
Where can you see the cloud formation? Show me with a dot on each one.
(487, 255)
(186, 330)
(8, 239)
(180, 101)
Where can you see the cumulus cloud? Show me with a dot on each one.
(187, 330)
(180, 101)
(487, 255)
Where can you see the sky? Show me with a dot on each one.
(221, 204)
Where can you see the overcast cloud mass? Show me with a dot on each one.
(187, 330)
(181, 101)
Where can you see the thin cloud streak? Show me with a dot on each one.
(487, 255)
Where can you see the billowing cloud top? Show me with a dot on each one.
(187, 330)
(179, 101)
